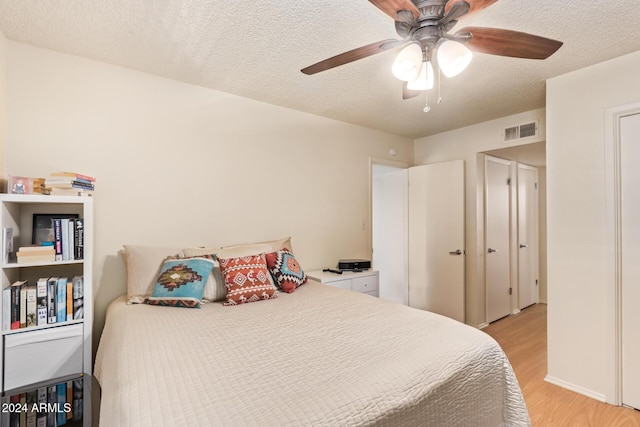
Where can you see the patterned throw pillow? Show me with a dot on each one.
(181, 282)
(285, 269)
(247, 279)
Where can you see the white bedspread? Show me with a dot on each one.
(319, 356)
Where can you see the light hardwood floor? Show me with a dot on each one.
(523, 338)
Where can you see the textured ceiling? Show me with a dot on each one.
(256, 49)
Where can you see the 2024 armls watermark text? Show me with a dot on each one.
(43, 407)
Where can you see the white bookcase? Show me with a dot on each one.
(40, 353)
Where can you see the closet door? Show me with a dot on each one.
(630, 241)
(527, 236)
(497, 238)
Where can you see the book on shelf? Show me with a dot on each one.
(69, 315)
(70, 192)
(65, 238)
(52, 397)
(61, 300)
(23, 306)
(52, 314)
(57, 236)
(61, 418)
(35, 254)
(69, 184)
(7, 244)
(79, 238)
(41, 417)
(74, 175)
(78, 297)
(50, 300)
(15, 303)
(32, 306)
(68, 238)
(6, 308)
(41, 296)
(32, 399)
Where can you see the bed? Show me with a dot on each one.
(317, 356)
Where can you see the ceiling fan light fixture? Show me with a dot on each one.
(425, 80)
(453, 57)
(408, 63)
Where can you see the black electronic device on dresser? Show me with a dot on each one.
(354, 264)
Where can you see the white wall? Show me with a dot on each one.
(178, 164)
(3, 108)
(580, 287)
(465, 143)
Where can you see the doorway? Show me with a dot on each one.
(389, 230)
(528, 274)
(417, 234)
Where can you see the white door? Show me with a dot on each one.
(497, 254)
(436, 238)
(630, 241)
(527, 235)
(389, 231)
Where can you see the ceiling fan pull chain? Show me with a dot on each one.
(426, 108)
(439, 80)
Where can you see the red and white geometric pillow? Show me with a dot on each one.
(285, 270)
(247, 279)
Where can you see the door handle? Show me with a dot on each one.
(491, 250)
(456, 252)
(522, 246)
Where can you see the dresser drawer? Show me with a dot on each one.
(365, 284)
(342, 284)
(40, 355)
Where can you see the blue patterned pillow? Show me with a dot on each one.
(181, 282)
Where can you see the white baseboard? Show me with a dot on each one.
(584, 391)
(482, 325)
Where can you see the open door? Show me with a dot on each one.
(436, 238)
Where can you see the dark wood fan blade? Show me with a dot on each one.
(408, 93)
(391, 7)
(475, 5)
(496, 41)
(352, 55)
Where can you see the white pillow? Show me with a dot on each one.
(143, 267)
(214, 289)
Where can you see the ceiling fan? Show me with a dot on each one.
(424, 26)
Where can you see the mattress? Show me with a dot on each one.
(318, 356)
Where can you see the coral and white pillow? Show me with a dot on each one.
(247, 279)
(285, 270)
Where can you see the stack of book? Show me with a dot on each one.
(28, 254)
(70, 184)
(51, 300)
(68, 234)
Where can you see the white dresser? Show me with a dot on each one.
(365, 282)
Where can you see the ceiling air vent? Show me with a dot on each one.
(525, 130)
